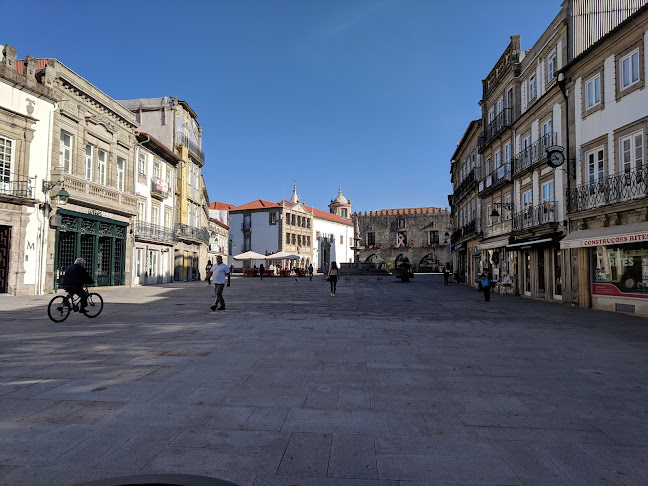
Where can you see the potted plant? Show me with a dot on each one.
(404, 272)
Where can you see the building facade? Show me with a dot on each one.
(27, 107)
(418, 236)
(465, 205)
(607, 201)
(153, 230)
(174, 123)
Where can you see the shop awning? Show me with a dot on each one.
(612, 235)
(529, 243)
(489, 245)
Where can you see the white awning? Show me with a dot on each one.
(489, 245)
(612, 235)
(529, 243)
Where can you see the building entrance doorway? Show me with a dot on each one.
(5, 237)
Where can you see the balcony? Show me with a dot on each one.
(192, 234)
(159, 188)
(495, 180)
(466, 185)
(535, 216)
(494, 128)
(614, 189)
(98, 196)
(534, 155)
(17, 187)
(465, 231)
(148, 231)
(192, 147)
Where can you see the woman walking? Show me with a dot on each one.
(334, 273)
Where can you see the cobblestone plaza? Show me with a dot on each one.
(386, 384)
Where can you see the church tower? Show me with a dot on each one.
(341, 206)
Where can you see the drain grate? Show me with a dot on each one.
(625, 308)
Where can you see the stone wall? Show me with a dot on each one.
(405, 233)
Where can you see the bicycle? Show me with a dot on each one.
(60, 306)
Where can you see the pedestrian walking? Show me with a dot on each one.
(486, 281)
(261, 271)
(326, 269)
(310, 271)
(220, 271)
(333, 275)
(446, 275)
(208, 272)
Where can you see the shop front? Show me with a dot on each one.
(617, 266)
(536, 265)
(99, 240)
(495, 259)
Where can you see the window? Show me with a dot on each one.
(630, 69)
(141, 211)
(167, 219)
(139, 262)
(507, 156)
(508, 206)
(547, 133)
(153, 258)
(292, 220)
(489, 218)
(433, 237)
(595, 167)
(141, 165)
(341, 240)
(371, 238)
(308, 223)
(532, 87)
(317, 235)
(101, 167)
(156, 169)
(121, 165)
(6, 157)
(155, 215)
(548, 200)
(343, 212)
(299, 240)
(491, 115)
(551, 66)
(500, 106)
(527, 199)
(89, 155)
(65, 151)
(287, 238)
(272, 218)
(632, 152)
(593, 92)
(293, 239)
(509, 98)
(299, 221)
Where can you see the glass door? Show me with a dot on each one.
(541, 274)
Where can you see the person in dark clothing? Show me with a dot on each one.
(261, 271)
(446, 275)
(74, 278)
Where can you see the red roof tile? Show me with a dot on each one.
(323, 214)
(20, 65)
(221, 206)
(258, 204)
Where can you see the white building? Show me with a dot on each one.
(26, 113)
(152, 262)
(316, 236)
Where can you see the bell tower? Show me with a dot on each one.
(341, 206)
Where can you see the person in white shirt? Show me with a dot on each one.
(220, 270)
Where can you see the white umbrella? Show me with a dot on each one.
(250, 255)
(283, 255)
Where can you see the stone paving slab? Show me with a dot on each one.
(386, 384)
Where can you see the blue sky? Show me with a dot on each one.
(370, 95)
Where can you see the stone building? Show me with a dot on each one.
(419, 236)
(26, 110)
(91, 158)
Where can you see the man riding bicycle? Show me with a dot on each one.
(74, 278)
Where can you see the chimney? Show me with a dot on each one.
(9, 56)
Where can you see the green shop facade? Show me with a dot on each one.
(100, 241)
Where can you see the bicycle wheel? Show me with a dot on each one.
(59, 308)
(95, 305)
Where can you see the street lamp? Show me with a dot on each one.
(495, 213)
(62, 196)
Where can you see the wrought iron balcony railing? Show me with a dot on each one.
(192, 147)
(534, 216)
(613, 189)
(466, 230)
(191, 233)
(151, 231)
(159, 188)
(495, 179)
(534, 154)
(495, 127)
(466, 184)
(13, 185)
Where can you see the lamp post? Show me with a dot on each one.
(495, 213)
(62, 197)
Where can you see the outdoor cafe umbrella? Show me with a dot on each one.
(283, 255)
(249, 255)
